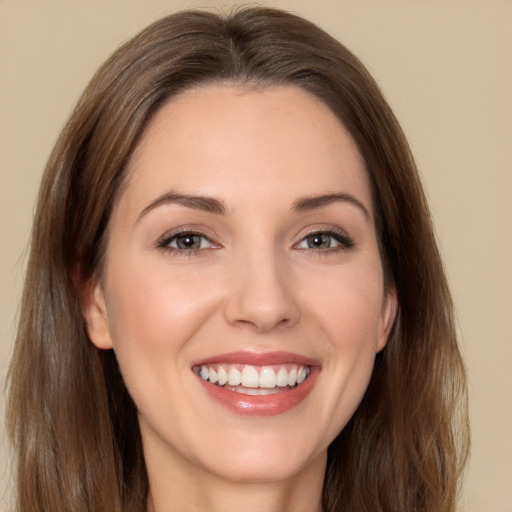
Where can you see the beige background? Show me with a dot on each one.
(445, 67)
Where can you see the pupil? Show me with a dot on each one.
(319, 240)
(188, 242)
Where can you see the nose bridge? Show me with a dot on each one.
(261, 293)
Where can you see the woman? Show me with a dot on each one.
(234, 298)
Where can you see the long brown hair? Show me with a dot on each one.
(70, 418)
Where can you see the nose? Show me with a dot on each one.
(262, 295)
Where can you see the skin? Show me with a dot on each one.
(253, 285)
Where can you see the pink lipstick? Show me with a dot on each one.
(258, 384)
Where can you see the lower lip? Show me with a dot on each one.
(261, 405)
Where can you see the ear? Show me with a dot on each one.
(388, 314)
(95, 314)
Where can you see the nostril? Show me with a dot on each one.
(255, 325)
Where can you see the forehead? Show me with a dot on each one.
(240, 143)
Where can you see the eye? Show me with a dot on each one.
(186, 241)
(325, 240)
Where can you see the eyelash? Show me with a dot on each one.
(343, 239)
(166, 240)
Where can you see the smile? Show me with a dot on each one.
(254, 380)
(257, 384)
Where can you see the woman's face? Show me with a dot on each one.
(243, 252)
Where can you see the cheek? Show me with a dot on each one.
(349, 306)
(348, 322)
(155, 312)
(154, 319)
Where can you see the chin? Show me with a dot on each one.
(265, 469)
(270, 458)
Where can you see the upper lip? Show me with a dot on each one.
(259, 359)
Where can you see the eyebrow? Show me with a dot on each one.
(313, 202)
(217, 206)
(206, 204)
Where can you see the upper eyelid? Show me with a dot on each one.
(188, 229)
(172, 236)
(313, 230)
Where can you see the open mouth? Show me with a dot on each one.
(258, 384)
(254, 380)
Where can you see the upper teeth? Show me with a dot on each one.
(254, 376)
